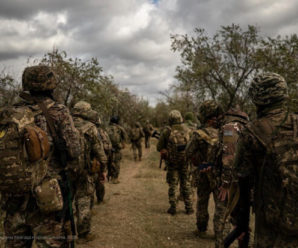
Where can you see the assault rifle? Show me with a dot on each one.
(240, 216)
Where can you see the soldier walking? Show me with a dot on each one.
(136, 135)
(267, 159)
(117, 136)
(33, 203)
(148, 129)
(172, 141)
(91, 161)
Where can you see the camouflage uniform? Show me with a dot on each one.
(269, 94)
(93, 149)
(198, 150)
(136, 136)
(148, 132)
(104, 137)
(177, 170)
(117, 136)
(24, 220)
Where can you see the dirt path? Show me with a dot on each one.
(134, 211)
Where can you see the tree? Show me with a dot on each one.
(221, 67)
(9, 89)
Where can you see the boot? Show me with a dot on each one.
(189, 211)
(84, 238)
(172, 210)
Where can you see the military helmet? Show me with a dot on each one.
(38, 78)
(268, 88)
(189, 116)
(209, 109)
(82, 106)
(175, 117)
(83, 109)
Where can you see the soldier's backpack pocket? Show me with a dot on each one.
(48, 196)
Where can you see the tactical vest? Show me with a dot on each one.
(115, 137)
(278, 180)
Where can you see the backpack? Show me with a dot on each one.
(208, 154)
(24, 150)
(83, 163)
(178, 139)
(279, 172)
(135, 134)
(115, 137)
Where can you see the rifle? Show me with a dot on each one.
(163, 156)
(66, 188)
(155, 134)
(241, 217)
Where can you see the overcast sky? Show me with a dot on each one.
(131, 38)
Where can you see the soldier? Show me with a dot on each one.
(38, 213)
(172, 141)
(117, 136)
(104, 137)
(267, 158)
(190, 121)
(203, 150)
(148, 129)
(92, 153)
(136, 135)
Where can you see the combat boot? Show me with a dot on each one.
(86, 238)
(172, 210)
(189, 211)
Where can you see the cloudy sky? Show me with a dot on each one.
(131, 38)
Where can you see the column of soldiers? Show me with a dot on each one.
(242, 164)
(52, 163)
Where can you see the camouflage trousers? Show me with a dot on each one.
(174, 176)
(99, 188)
(137, 149)
(147, 141)
(268, 237)
(83, 204)
(24, 223)
(115, 164)
(204, 190)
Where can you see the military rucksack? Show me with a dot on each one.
(115, 137)
(179, 136)
(24, 150)
(136, 134)
(279, 172)
(84, 161)
(208, 153)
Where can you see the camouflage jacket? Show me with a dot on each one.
(105, 140)
(148, 128)
(138, 132)
(65, 129)
(93, 146)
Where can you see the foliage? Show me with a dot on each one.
(221, 67)
(9, 89)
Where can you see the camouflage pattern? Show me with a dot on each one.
(148, 128)
(267, 89)
(175, 117)
(116, 148)
(209, 109)
(93, 148)
(273, 132)
(178, 171)
(136, 144)
(38, 78)
(204, 149)
(23, 215)
(84, 192)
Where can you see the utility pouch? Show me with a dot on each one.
(48, 196)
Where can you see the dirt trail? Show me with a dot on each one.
(134, 211)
